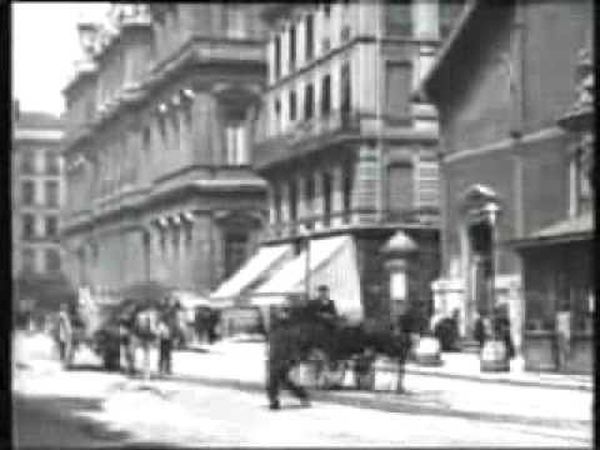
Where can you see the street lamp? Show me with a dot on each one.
(494, 351)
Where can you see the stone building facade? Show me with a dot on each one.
(38, 195)
(161, 113)
(498, 103)
(350, 159)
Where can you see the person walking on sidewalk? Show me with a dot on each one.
(147, 335)
(165, 347)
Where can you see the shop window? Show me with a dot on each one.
(28, 192)
(236, 249)
(28, 223)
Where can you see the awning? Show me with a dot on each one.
(189, 299)
(254, 271)
(568, 230)
(332, 262)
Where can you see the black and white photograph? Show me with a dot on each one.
(359, 223)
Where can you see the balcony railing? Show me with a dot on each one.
(305, 134)
(413, 216)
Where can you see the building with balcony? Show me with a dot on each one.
(500, 139)
(350, 159)
(160, 114)
(37, 198)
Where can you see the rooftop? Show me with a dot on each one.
(38, 120)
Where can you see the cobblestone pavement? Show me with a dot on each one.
(199, 408)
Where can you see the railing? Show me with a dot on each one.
(352, 217)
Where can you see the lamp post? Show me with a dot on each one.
(494, 351)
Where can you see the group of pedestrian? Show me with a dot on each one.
(147, 329)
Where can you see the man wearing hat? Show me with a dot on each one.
(323, 306)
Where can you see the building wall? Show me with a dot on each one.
(150, 178)
(498, 127)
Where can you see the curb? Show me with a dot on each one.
(528, 383)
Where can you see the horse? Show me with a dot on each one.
(300, 334)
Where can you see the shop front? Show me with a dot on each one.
(559, 297)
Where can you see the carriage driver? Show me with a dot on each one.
(323, 306)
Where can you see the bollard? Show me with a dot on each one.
(350, 379)
(493, 357)
(387, 375)
(427, 352)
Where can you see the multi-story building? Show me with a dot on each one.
(499, 102)
(350, 159)
(37, 198)
(158, 149)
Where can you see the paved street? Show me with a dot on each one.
(200, 406)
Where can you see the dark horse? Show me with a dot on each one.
(300, 333)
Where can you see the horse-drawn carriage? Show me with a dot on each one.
(325, 353)
(97, 321)
(93, 325)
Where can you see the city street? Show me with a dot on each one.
(200, 407)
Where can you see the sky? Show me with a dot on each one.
(45, 46)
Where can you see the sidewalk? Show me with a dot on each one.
(464, 366)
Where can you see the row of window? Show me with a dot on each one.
(327, 190)
(50, 189)
(29, 229)
(308, 23)
(309, 98)
(52, 260)
(51, 162)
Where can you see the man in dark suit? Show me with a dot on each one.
(323, 306)
(284, 351)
